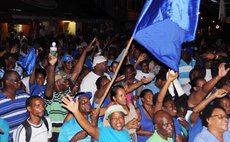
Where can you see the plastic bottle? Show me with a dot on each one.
(53, 49)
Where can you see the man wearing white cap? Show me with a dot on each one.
(89, 81)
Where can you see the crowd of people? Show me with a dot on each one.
(63, 99)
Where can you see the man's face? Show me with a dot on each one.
(14, 81)
(63, 84)
(40, 79)
(165, 127)
(103, 66)
(37, 107)
(117, 120)
(129, 73)
(85, 105)
(170, 107)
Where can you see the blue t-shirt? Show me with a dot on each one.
(69, 129)
(4, 126)
(108, 134)
(194, 130)
(151, 86)
(37, 90)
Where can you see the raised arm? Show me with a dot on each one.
(159, 103)
(138, 84)
(140, 59)
(196, 111)
(50, 77)
(199, 95)
(69, 104)
(78, 67)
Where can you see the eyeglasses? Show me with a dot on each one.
(220, 116)
(16, 81)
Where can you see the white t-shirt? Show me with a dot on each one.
(208, 75)
(38, 132)
(141, 74)
(88, 83)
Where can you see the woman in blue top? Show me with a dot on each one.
(115, 115)
(216, 121)
(145, 115)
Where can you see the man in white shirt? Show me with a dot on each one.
(36, 127)
(100, 68)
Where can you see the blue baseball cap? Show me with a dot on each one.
(82, 94)
(67, 58)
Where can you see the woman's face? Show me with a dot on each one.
(218, 120)
(120, 97)
(148, 98)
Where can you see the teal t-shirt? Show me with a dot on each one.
(4, 126)
(108, 134)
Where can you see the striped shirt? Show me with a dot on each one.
(184, 70)
(13, 111)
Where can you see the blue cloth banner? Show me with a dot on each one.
(28, 61)
(164, 25)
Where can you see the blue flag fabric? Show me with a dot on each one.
(164, 25)
(28, 61)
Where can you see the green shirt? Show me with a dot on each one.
(56, 112)
(156, 138)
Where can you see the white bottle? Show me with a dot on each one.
(53, 49)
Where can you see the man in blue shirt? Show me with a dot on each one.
(12, 101)
(71, 130)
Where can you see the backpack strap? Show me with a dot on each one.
(27, 127)
(46, 123)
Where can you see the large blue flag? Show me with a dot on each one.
(28, 61)
(164, 25)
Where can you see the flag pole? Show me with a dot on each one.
(115, 74)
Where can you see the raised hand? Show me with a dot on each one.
(142, 57)
(147, 80)
(220, 93)
(222, 71)
(133, 124)
(90, 47)
(68, 103)
(120, 78)
(172, 75)
(52, 60)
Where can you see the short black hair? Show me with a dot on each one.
(30, 99)
(40, 71)
(7, 75)
(207, 113)
(161, 75)
(144, 92)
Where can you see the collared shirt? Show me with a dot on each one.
(207, 135)
(13, 111)
(156, 138)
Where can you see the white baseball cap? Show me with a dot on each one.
(98, 60)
